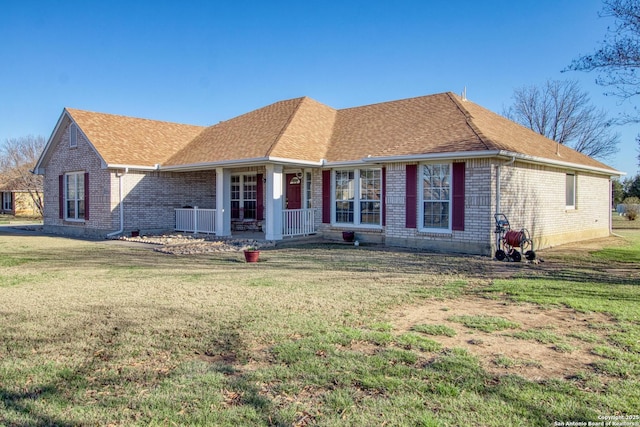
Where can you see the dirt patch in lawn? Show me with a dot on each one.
(501, 353)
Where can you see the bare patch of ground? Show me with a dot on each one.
(501, 353)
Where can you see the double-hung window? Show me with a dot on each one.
(6, 201)
(74, 196)
(358, 197)
(244, 197)
(436, 197)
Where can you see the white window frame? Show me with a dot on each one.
(570, 191)
(73, 136)
(241, 200)
(77, 197)
(422, 200)
(308, 190)
(355, 190)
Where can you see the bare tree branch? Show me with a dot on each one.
(18, 156)
(618, 59)
(561, 111)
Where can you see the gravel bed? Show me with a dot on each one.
(180, 244)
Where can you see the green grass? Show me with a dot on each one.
(437, 330)
(484, 323)
(540, 335)
(102, 334)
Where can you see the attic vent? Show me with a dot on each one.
(73, 136)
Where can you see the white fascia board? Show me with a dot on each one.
(454, 155)
(284, 160)
(239, 163)
(132, 167)
(559, 163)
(213, 165)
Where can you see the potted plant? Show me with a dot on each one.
(251, 254)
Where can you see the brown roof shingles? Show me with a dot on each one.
(303, 129)
(131, 141)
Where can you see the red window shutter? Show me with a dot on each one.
(86, 196)
(61, 196)
(326, 197)
(457, 184)
(411, 199)
(383, 195)
(260, 196)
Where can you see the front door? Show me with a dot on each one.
(294, 192)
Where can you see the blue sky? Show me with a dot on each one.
(200, 62)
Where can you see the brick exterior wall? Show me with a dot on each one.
(149, 197)
(533, 197)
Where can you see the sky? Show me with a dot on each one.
(201, 62)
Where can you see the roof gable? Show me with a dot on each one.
(126, 140)
(249, 136)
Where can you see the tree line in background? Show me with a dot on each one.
(18, 157)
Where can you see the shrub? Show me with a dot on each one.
(632, 207)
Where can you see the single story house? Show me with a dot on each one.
(16, 200)
(426, 172)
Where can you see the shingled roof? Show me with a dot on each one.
(131, 141)
(305, 131)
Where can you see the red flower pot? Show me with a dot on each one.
(251, 256)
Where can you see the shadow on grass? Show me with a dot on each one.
(20, 405)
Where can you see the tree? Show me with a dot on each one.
(617, 191)
(618, 59)
(631, 187)
(18, 156)
(561, 111)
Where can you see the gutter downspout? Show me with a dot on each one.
(120, 196)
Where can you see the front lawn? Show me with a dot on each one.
(100, 333)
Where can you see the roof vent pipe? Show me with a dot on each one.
(464, 94)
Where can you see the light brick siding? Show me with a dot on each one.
(149, 197)
(83, 158)
(476, 235)
(533, 197)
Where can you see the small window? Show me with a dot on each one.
(308, 194)
(570, 191)
(73, 136)
(6, 201)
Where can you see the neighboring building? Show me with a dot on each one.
(16, 201)
(427, 172)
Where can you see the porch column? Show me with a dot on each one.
(273, 203)
(223, 202)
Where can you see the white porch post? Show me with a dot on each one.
(223, 202)
(273, 202)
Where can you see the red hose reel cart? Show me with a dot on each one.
(508, 241)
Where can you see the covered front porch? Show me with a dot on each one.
(270, 200)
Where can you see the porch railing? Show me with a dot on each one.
(298, 222)
(196, 220)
